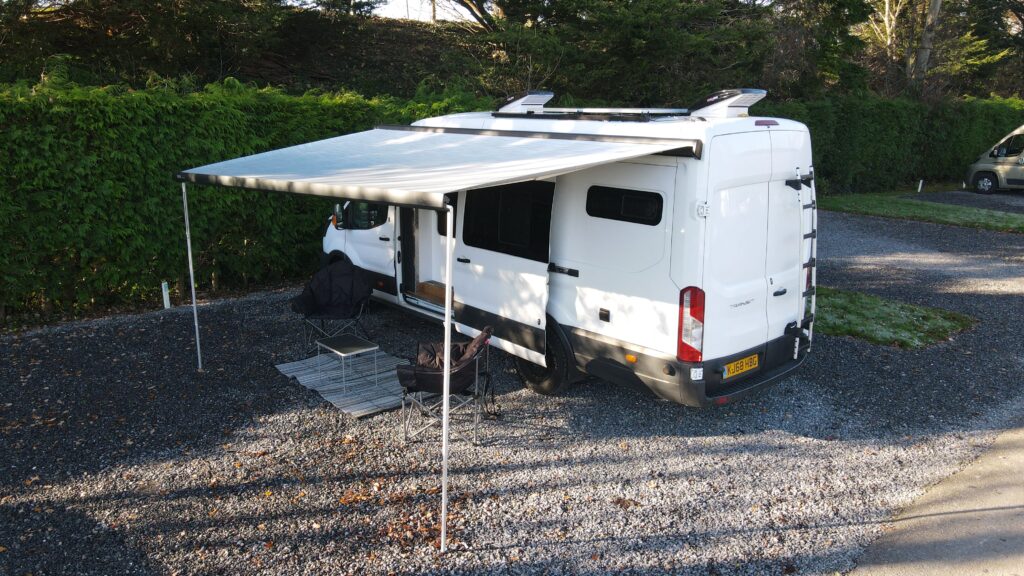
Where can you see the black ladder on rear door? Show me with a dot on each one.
(811, 252)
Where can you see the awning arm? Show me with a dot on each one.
(191, 274)
(449, 248)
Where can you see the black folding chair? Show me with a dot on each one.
(423, 384)
(333, 302)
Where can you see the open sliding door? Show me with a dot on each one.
(500, 274)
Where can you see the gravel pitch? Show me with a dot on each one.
(119, 459)
(1002, 201)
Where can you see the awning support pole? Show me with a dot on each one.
(191, 273)
(449, 248)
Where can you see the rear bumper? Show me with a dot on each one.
(674, 380)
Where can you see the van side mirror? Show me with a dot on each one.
(994, 153)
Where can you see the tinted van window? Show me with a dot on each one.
(625, 205)
(514, 219)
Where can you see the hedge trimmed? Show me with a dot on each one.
(89, 213)
(871, 144)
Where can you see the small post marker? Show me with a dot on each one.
(920, 185)
(167, 294)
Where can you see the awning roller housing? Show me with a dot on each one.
(418, 165)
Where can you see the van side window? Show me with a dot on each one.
(360, 215)
(625, 205)
(442, 221)
(514, 219)
(1015, 145)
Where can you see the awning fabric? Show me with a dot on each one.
(417, 165)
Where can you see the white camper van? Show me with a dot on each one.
(691, 271)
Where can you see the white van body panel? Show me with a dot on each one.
(374, 249)
(334, 238)
(791, 159)
(513, 288)
(734, 271)
(611, 256)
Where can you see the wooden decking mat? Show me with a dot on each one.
(359, 395)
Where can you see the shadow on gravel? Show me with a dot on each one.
(91, 395)
(51, 539)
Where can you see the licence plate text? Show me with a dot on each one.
(740, 366)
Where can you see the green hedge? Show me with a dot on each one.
(870, 144)
(90, 214)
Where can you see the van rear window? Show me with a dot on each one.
(625, 205)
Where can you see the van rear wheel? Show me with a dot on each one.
(548, 380)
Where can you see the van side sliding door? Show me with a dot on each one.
(500, 274)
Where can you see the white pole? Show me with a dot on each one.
(191, 273)
(449, 248)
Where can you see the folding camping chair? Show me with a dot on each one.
(333, 302)
(423, 383)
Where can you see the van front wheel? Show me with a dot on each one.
(985, 183)
(548, 380)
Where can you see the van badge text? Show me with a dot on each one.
(738, 304)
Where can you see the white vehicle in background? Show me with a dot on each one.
(1000, 167)
(691, 271)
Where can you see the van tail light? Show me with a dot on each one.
(691, 325)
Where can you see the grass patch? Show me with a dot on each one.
(892, 205)
(881, 321)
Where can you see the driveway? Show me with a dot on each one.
(119, 458)
(1002, 201)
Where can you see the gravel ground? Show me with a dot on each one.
(119, 459)
(1002, 201)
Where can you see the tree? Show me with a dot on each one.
(818, 49)
(924, 49)
(347, 7)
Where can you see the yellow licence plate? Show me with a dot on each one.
(740, 366)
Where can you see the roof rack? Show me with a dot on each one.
(724, 104)
(531, 105)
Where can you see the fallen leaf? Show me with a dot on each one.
(624, 503)
(268, 544)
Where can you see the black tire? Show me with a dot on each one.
(985, 183)
(552, 379)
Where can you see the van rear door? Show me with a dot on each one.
(791, 159)
(500, 272)
(735, 316)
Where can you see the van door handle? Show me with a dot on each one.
(552, 267)
(779, 292)
(463, 260)
(384, 239)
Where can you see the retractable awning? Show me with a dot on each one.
(417, 165)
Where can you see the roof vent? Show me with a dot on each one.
(532, 102)
(728, 103)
